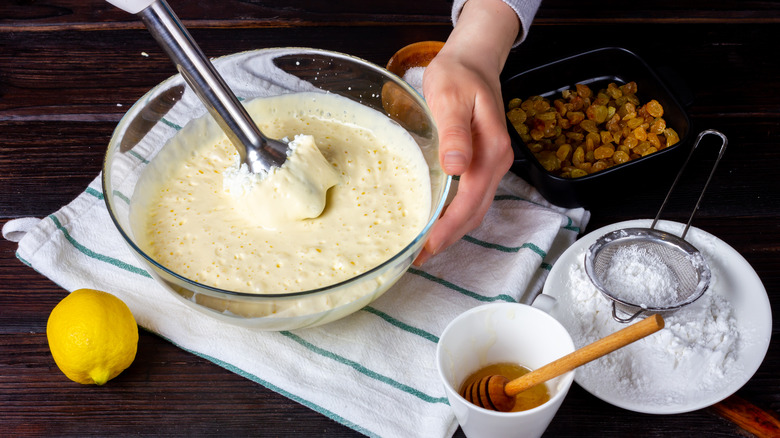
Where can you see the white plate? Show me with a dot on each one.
(738, 283)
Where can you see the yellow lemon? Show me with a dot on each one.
(92, 336)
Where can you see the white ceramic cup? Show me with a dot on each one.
(502, 332)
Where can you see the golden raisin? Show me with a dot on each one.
(629, 88)
(560, 107)
(654, 108)
(649, 151)
(614, 91)
(583, 90)
(549, 161)
(634, 122)
(593, 138)
(631, 141)
(620, 157)
(641, 148)
(578, 157)
(563, 152)
(517, 116)
(671, 136)
(653, 139)
(597, 113)
(658, 126)
(598, 165)
(541, 105)
(602, 152)
(575, 117)
(627, 111)
(577, 173)
(589, 125)
(640, 133)
(613, 125)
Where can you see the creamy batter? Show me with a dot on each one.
(296, 191)
(191, 218)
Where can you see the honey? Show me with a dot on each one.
(528, 399)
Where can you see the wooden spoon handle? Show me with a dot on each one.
(603, 346)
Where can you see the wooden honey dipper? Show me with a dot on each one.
(498, 393)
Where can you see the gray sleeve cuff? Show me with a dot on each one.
(525, 10)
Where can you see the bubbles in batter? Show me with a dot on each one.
(188, 220)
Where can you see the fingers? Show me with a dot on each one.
(453, 119)
(475, 193)
(461, 216)
(455, 150)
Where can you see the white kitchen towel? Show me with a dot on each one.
(383, 355)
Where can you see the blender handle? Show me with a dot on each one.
(257, 151)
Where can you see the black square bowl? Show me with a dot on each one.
(597, 68)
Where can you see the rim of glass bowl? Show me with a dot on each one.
(139, 105)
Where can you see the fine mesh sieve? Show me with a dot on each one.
(641, 269)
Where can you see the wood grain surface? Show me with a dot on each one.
(69, 69)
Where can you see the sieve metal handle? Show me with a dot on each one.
(624, 320)
(707, 183)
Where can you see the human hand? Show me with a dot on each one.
(463, 91)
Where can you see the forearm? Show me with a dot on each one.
(525, 10)
(484, 33)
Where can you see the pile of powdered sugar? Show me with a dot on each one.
(639, 276)
(696, 352)
(414, 77)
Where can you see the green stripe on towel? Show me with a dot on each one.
(93, 192)
(97, 256)
(503, 248)
(402, 325)
(468, 293)
(137, 155)
(171, 124)
(99, 195)
(121, 196)
(510, 198)
(365, 371)
(570, 226)
(18, 256)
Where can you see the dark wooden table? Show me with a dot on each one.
(69, 69)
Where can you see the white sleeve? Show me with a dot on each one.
(525, 10)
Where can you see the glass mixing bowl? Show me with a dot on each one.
(168, 107)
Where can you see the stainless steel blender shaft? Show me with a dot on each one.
(256, 150)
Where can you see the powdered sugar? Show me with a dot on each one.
(639, 276)
(414, 77)
(695, 354)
